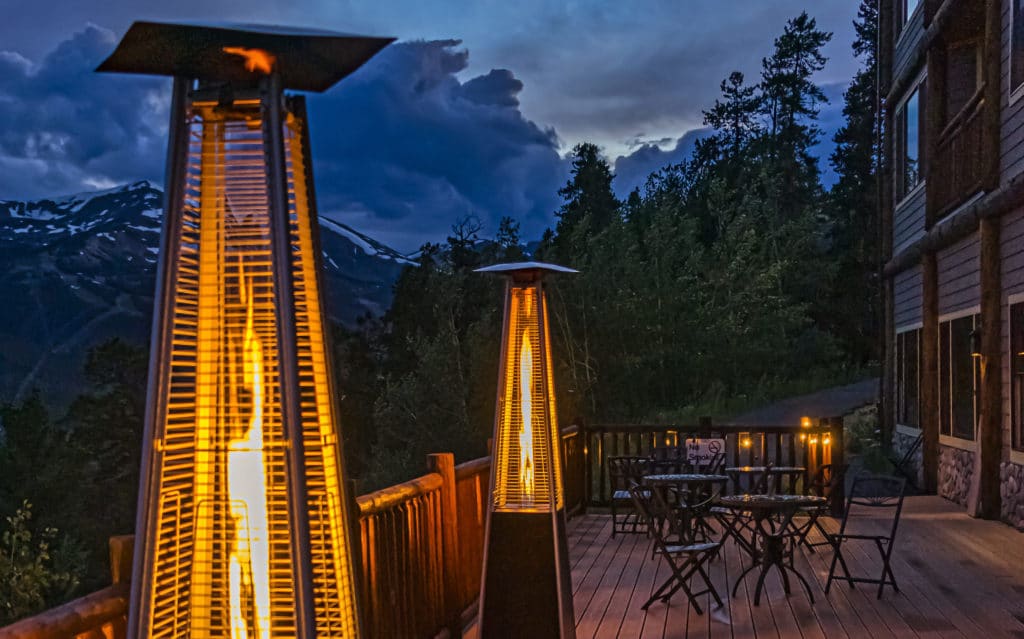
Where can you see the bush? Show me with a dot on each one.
(33, 575)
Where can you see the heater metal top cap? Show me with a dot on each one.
(525, 267)
(306, 59)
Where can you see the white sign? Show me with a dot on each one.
(700, 451)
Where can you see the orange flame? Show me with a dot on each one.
(526, 465)
(256, 60)
(249, 554)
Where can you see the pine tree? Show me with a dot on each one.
(589, 205)
(853, 210)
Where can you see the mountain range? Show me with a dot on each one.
(80, 269)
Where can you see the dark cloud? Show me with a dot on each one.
(403, 148)
(67, 128)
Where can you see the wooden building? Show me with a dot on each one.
(951, 77)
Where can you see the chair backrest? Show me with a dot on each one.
(714, 466)
(650, 505)
(669, 459)
(825, 479)
(625, 468)
(878, 493)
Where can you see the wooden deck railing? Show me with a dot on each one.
(958, 169)
(780, 445)
(421, 556)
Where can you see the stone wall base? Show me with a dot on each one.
(956, 467)
(1011, 490)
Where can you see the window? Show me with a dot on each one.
(1017, 46)
(905, 9)
(958, 378)
(909, 145)
(907, 380)
(1017, 373)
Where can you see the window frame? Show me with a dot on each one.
(900, 375)
(1015, 379)
(1015, 91)
(903, 17)
(946, 372)
(899, 142)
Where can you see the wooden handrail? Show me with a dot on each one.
(103, 608)
(971, 109)
(473, 467)
(415, 581)
(392, 496)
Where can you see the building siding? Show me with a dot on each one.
(908, 219)
(907, 297)
(959, 276)
(907, 43)
(1012, 115)
(1011, 240)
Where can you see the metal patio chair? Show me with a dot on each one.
(622, 471)
(822, 484)
(870, 493)
(684, 558)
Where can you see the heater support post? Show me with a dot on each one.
(159, 347)
(281, 242)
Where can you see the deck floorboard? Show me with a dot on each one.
(959, 577)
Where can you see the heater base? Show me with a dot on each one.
(527, 585)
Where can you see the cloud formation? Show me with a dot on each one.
(63, 127)
(403, 148)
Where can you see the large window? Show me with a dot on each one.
(909, 154)
(958, 378)
(1017, 46)
(1017, 373)
(907, 380)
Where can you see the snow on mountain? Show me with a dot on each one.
(80, 269)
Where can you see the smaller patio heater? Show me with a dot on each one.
(525, 588)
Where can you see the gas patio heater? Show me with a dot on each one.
(244, 528)
(526, 589)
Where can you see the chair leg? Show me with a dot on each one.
(615, 521)
(886, 552)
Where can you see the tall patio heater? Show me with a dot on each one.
(244, 528)
(526, 589)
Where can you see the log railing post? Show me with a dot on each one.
(444, 465)
(122, 548)
(838, 459)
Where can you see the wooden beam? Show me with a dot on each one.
(929, 391)
(958, 226)
(991, 123)
(933, 33)
(934, 122)
(884, 193)
(990, 422)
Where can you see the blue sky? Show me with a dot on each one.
(471, 112)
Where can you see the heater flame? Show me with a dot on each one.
(256, 60)
(526, 465)
(249, 555)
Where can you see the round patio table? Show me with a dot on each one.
(781, 472)
(772, 515)
(693, 501)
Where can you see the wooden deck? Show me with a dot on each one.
(959, 577)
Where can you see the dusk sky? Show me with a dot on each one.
(471, 112)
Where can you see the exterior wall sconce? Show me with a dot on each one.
(976, 341)
(526, 589)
